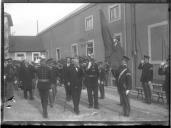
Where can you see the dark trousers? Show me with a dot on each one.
(76, 92)
(67, 90)
(119, 92)
(52, 94)
(147, 92)
(44, 94)
(92, 90)
(30, 93)
(125, 103)
(101, 88)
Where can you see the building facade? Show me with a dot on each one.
(25, 48)
(140, 28)
(7, 32)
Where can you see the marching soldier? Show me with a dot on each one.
(66, 78)
(92, 75)
(146, 77)
(101, 81)
(44, 77)
(164, 69)
(76, 75)
(124, 84)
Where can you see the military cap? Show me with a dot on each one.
(146, 56)
(125, 58)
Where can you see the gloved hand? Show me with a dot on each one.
(127, 92)
(68, 83)
(98, 81)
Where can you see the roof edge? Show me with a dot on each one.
(72, 14)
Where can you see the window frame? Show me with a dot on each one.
(35, 53)
(16, 53)
(93, 47)
(86, 28)
(75, 44)
(121, 39)
(115, 19)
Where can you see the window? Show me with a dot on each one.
(35, 56)
(114, 12)
(20, 56)
(58, 54)
(118, 36)
(74, 50)
(90, 47)
(89, 23)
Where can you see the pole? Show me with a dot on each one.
(37, 27)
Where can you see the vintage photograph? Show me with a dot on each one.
(86, 62)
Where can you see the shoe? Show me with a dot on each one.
(8, 106)
(77, 112)
(45, 115)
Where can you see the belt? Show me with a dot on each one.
(43, 80)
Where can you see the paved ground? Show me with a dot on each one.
(27, 110)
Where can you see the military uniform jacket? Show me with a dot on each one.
(147, 72)
(92, 72)
(124, 79)
(76, 75)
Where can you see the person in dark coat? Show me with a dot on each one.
(164, 69)
(146, 77)
(66, 78)
(76, 75)
(124, 83)
(92, 75)
(26, 76)
(44, 79)
(101, 81)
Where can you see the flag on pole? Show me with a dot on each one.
(113, 51)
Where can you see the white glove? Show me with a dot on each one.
(89, 65)
(15, 82)
(142, 61)
(4, 76)
(98, 81)
(50, 90)
(68, 83)
(127, 91)
(149, 82)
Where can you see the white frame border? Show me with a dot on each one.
(149, 39)
(75, 44)
(111, 6)
(34, 53)
(87, 29)
(93, 47)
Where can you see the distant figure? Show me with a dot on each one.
(164, 69)
(146, 77)
(76, 75)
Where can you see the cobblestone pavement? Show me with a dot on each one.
(30, 110)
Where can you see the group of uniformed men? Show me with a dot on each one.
(74, 74)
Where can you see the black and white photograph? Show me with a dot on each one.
(85, 63)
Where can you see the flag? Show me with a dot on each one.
(113, 53)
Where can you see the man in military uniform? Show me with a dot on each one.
(164, 69)
(101, 80)
(66, 70)
(124, 83)
(146, 77)
(44, 79)
(92, 75)
(76, 75)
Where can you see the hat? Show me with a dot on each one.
(146, 56)
(8, 59)
(125, 58)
